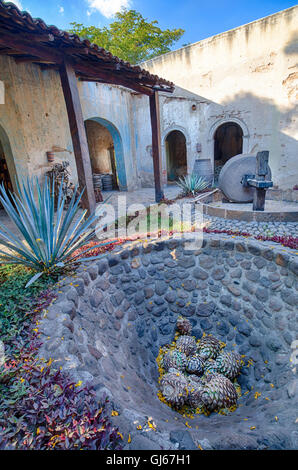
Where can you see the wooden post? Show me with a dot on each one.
(78, 135)
(259, 199)
(261, 172)
(156, 145)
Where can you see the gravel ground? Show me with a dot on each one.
(254, 228)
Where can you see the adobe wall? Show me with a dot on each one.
(251, 73)
(33, 119)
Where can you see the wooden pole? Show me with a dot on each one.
(78, 135)
(156, 145)
(261, 172)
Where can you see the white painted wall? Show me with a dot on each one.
(251, 75)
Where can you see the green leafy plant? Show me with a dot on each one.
(50, 240)
(16, 302)
(192, 184)
(41, 407)
(130, 36)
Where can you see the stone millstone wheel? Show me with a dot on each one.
(229, 181)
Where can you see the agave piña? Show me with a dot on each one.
(48, 240)
(192, 184)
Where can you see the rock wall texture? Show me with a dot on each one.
(109, 321)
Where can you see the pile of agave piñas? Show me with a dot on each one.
(198, 375)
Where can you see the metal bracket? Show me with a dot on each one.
(259, 184)
(245, 179)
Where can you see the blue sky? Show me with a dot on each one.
(199, 18)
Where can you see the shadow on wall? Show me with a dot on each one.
(268, 125)
(9, 175)
(292, 46)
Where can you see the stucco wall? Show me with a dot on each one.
(112, 107)
(251, 74)
(33, 120)
(176, 113)
(32, 117)
(247, 75)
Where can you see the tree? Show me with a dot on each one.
(130, 36)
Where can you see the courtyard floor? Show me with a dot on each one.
(146, 197)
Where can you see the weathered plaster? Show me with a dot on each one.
(251, 74)
(247, 75)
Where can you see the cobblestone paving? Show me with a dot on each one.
(254, 228)
(146, 196)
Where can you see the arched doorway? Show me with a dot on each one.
(176, 155)
(106, 150)
(228, 142)
(5, 154)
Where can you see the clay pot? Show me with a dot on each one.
(50, 157)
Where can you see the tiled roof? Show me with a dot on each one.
(21, 23)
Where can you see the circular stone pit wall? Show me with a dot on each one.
(109, 321)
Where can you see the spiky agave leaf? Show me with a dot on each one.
(192, 184)
(47, 239)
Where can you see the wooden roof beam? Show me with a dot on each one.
(8, 51)
(37, 60)
(43, 52)
(75, 50)
(88, 69)
(111, 78)
(36, 37)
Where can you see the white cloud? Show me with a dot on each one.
(89, 13)
(108, 8)
(61, 10)
(18, 4)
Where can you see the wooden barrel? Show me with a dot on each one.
(97, 181)
(107, 182)
(203, 168)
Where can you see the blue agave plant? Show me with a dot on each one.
(49, 234)
(192, 184)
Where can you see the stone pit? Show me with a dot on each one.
(109, 321)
